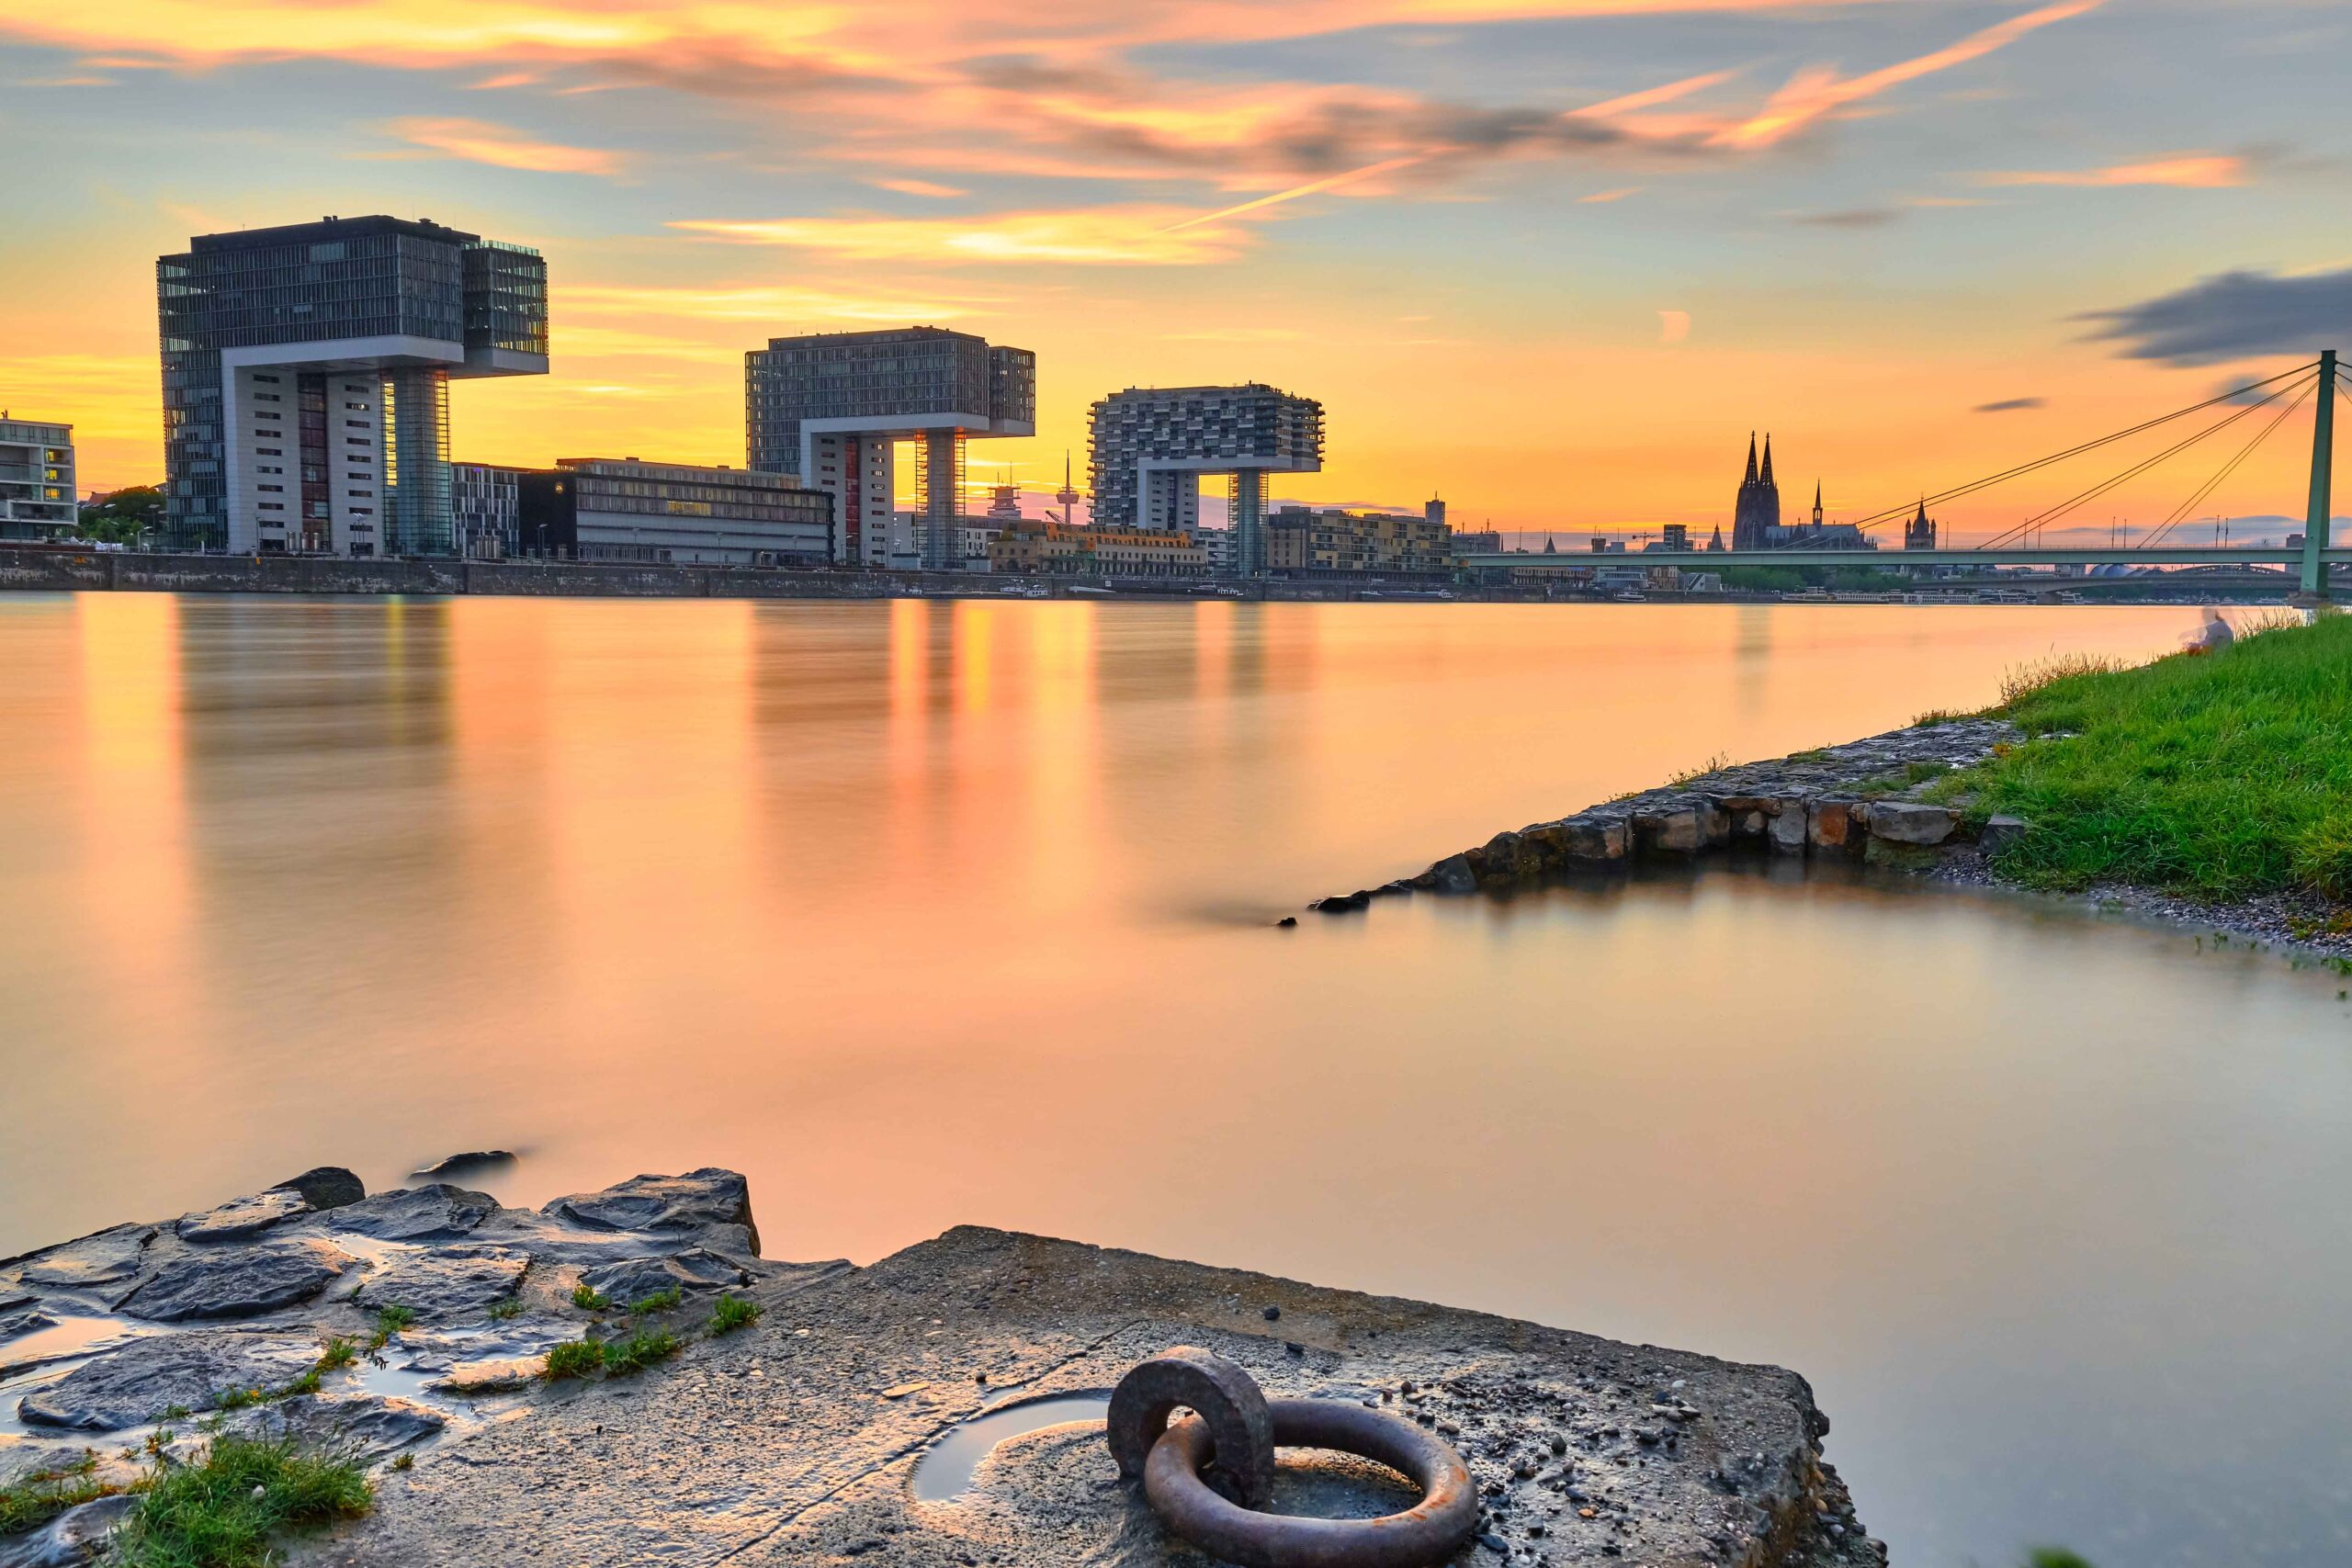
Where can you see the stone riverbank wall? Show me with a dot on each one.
(1858, 801)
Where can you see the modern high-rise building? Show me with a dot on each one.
(830, 407)
(37, 494)
(1150, 446)
(306, 371)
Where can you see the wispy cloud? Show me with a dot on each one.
(1820, 91)
(1620, 194)
(2190, 171)
(761, 303)
(2231, 316)
(919, 187)
(480, 142)
(2011, 405)
(1125, 235)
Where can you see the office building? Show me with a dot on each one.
(830, 408)
(306, 373)
(485, 511)
(1149, 446)
(1302, 539)
(605, 509)
(37, 499)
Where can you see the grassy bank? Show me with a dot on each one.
(2215, 776)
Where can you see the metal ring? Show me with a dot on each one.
(1429, 1532)
(1237, 1435)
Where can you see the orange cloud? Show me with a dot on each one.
(2199, 171)
(480, 142)
(1131, 235)
(918, 187)
(761, 304)
(1384, 166)
(1819, 91)
(1620, 194)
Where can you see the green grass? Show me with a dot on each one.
(732, 1313)
(639, 1350)
(587, 1299)
(660, 1301)
(389, 1321)
(575, 1359)
(222, 1511)
(2215, 776)
(340, 1353)
(42, 1496)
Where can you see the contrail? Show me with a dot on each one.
(1296, 191)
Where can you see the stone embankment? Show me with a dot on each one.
(1855, 802)
(846, 1421)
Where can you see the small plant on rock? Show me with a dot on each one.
(575, 1359)
(660, 1301)
(732, 1313)
(45, 1494)
(222, 1511)
(340, 1353)
(511, 1307)
(639, 1350)
(588, 1299)
(389, 1321)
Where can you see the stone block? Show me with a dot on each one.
(1910, 822)
(1593, 837)
(1829, 825)
(1787, 828)
(2001, 833)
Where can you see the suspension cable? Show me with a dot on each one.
(2228, 469)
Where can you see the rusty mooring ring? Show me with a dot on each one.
(1427, 1533)
(1240, 1432)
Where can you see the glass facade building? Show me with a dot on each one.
(355, 325)
(1148, 447)
(831, 407)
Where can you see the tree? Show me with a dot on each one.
(122, 517)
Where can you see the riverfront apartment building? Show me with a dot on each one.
(485, 510)
(830, 408)
(1303, 539)
(605, 509)
(306, 373)
(1149, 446)
(37, 494)
(1060, 549)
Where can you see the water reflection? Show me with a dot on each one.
(917, 912)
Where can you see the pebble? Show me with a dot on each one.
(1273, 1313)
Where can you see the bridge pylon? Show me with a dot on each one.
(2322, 503)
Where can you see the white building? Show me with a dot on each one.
(37, 493)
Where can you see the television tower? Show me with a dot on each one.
(1066, 495)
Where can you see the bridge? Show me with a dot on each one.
(2309, 563)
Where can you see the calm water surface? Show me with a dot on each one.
(924, 913)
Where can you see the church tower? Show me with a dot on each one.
(1919, 533)
(1756, 521)
(1817, 506)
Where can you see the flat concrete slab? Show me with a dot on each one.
(798, 1440)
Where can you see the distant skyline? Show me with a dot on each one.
(1551, 259)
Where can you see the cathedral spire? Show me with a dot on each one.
(1767, 460)
(1751, 458)
(1816, 504)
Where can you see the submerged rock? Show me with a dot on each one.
(238, 1281)
(75, 1535)
(447, 1282)
(327, 1186)
(139, 1382)
(481, 1159)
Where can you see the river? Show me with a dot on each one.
(923, 913)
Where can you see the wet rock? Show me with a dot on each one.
(1341, 903)
(1452, 875)
(238, 1281)
(1590, 837)
(75, 1535)
(241, 1217)
(1831, 825)
(696, 1201)
(435, 1212)
(1910, 822)
(139, 1382)
(16, 1324)
(1287, 922)
(369, 1426)
(1787, 828)
(327, 1186)
(107, 1257)
(457, 1165)
(447, 1283)
(632, 1281)
(2001, 834)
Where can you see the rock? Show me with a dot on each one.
(75, 1535)
(238, 1281)
(1452, 875)
(139, 1382)
(244, 1216)
(369, 1426)
(1685, 829)
(447, 1283)
(698, 1200)
(435, 1212)
(1588, 836)
(107, 1257)
(1829, 825)
(1341, 903)
(633, 1279)
(1286, 922)
(16, 1324)
(1910, 822)
(1788, 826)
(1513, 857)
(482, 1159)
(327, 1186)
(2002, 833)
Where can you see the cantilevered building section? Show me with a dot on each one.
(830, 408)
(1150, 447)
(306, 371)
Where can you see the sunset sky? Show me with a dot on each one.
(1551, 259)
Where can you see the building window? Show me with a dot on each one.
(273, 506)
(274, 490)
(362, 510)
(360, 495)
(270, 452)
(269, 396)
(354, 424)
